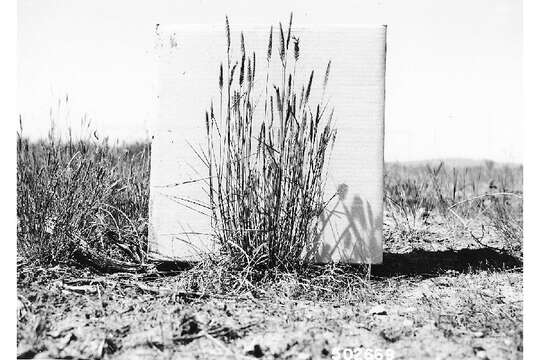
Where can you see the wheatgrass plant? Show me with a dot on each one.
(267, 172)
(82, 194)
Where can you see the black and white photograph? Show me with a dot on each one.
(273, 180)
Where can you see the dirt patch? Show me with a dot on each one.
(73, 313)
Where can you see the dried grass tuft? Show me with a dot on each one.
(267, 174)
(81, 195)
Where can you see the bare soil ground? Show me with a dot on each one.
(438, 295)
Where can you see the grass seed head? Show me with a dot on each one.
(327, 74)
(289, 30)
(281, 44)
(221, 76)
(296, 44)
(269, 51)
(228, 33)
(308, 89)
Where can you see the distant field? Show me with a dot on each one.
(450, 285)
(458, 163)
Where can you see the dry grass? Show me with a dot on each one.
(81, 193)
(87, 191)
(70, 312)
(266, 174)
(486, 199)
(440, 289)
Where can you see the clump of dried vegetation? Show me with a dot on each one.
(81, 199)
(266, 170)
(485, 199)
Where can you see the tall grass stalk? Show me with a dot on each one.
(267, 172)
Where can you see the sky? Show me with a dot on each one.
(453, 76)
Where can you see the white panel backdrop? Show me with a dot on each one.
(188, 78)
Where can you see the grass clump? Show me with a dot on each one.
(506, 219)
(483, 198)
(81, 194)
(267, 168)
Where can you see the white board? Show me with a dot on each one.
(189, 62)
